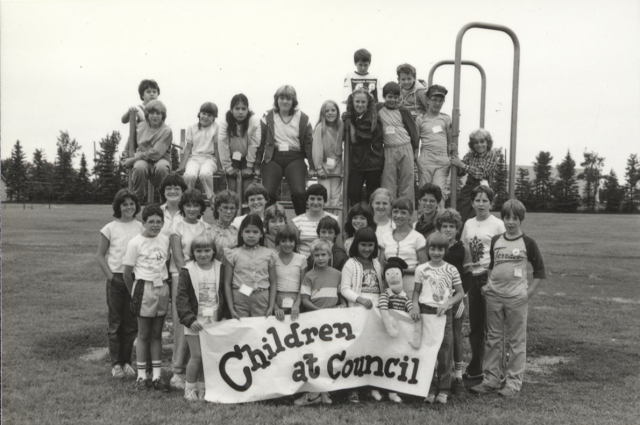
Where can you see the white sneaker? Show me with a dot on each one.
(395, 398)
(117, 372)
(191, 394)
(376, 395)
(128, 371)
(177, 382)
(442, 398)
(326, 398)
(430, 398)
(308, 398)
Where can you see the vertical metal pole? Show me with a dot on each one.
(345, 171)
(240, 191)
(131, 143)
(514, 98)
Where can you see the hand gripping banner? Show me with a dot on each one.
(261, 358)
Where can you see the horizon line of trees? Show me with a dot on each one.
(59, 182)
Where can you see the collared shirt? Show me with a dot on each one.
(202, 140)
(225, 237)
(487, 162)
(251, 265)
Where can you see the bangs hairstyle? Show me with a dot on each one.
(366, 234)
(251, 219)
(255, 189)
(513, 208)
(290, 93)
(147, 84)
(153, 209)
(483, 189)
(381, 191)
(403, 203)
(359, 209)
(119, 199)
(173, 179)
(371, 111)
(209, 108)
(236, 128)
(328, 223)
(289, 233)
(478, 136)
(438, 240)
(391, 88)
(322, 120)
(203, 240)
(448, 215)
(320, 245)
(224, 197)
(316, 190)
(192, 196)
(273, 212)
(431, 189)
(155, 106)
(362, 55)
(405, 68)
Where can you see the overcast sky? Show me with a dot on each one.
(76, 65)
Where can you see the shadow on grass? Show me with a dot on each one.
(68, 345)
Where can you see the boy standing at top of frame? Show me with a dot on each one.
(436, 143)
(401, 139)
(413, 94)
(361, 78)
(148, 91)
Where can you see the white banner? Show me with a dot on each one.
(326, 350)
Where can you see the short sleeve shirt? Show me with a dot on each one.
(119, 234)
(288, 276)
(308, 231)
(223, 237)
(322, 286)
(437, 283)
(202, 139)
(187, 233)
(148, 257)
(477, 239)
(251, 265)
(407, 249)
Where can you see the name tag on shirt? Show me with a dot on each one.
(437, 129)
(287, 302)
(157, 282)
(390, 130)
(246, 290)
(207, 312)
(237, 156)
(331, 162)
(517, 272)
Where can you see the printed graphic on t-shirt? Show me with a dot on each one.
(503, 255)
(208, 298)
(435, 284)
(156, 260)
(476, 248)
(369, 85)
(370, 282)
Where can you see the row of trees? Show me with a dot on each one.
(42, 181)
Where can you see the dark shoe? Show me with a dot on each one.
(161, 385)
(483, 389)
(353, 397)
(458, 387)
(508, 392)
(470, 377)
(142, 384)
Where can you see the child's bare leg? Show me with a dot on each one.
(194, 367)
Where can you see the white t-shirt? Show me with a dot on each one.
(119, 234)
(308, 231)
(148, 256)
(208, 302)
(437, 283)
(169, 220)
(287, 134)
(407, 249)
(187, 233)
(383, 230)
(354, 81)
(476, 238)
(202, 140)
(288, 276)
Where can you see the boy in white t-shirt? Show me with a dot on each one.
(199, 158)
(361, 78)
(476, 238)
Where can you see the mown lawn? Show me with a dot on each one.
(587, 313)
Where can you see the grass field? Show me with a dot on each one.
(583, 348)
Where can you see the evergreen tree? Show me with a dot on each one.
(566, 195)
(500, 185)
(6, 166)
(64, 172)
(175, 158)
(523, 187)
(83, 189)
(108, 170)
(41, 177)
(17, 176)
(632, 176)
(591, 175)
(543, 183)
(612, 194)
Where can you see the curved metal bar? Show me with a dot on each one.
(483, 82)
(514, 102)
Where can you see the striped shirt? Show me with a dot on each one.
(391, 301)
(437, 283)
(308, 231)
(321, 287)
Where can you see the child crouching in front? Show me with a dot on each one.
(198, 303)
(435, 283)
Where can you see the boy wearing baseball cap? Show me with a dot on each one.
(199, 158)
(436, 143)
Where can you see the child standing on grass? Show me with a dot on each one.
(507, 298)
(198, 160)
(436, 282)
(328, 137)
(320, 290)
(239, 139)
(198, 303)
(360, 215)
(476, 238)
(290, 270)
(123, 325)
(147, 256)
(250, 274)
